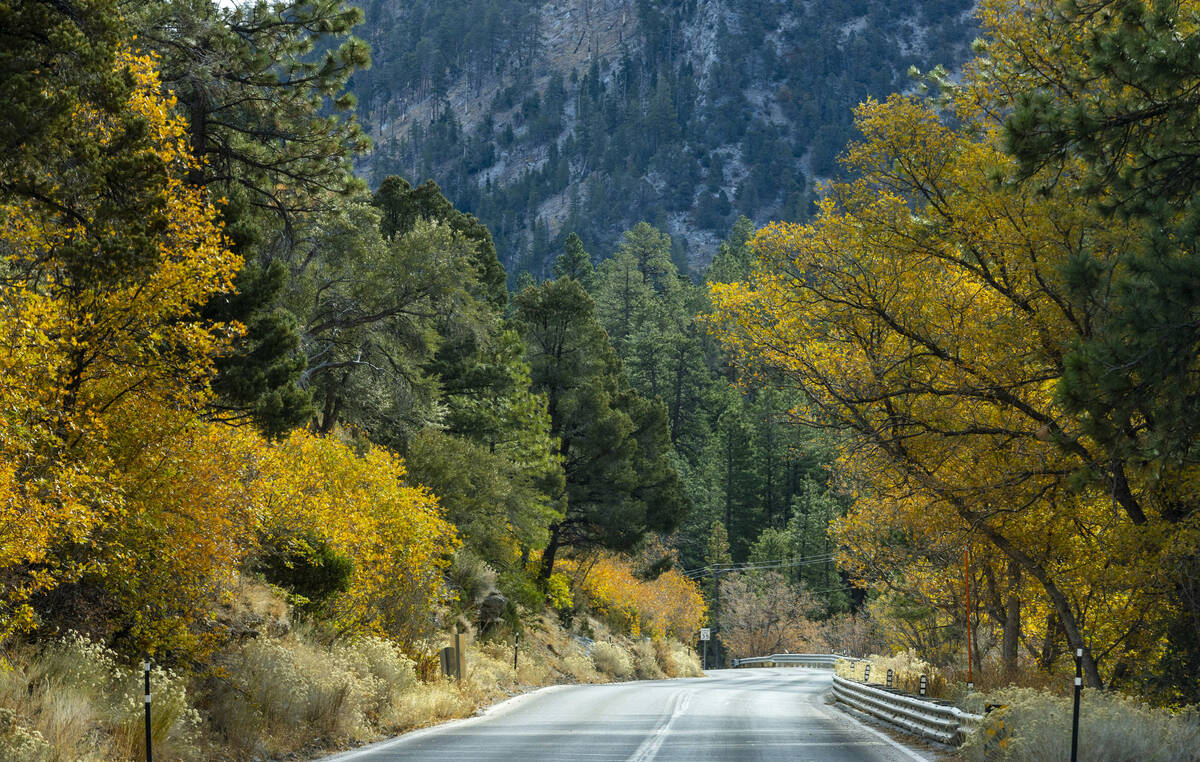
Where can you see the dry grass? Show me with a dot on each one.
(645, 661)
(677, 659)
(280, 695)
(580, 668)
(430, 703)
(1035, 726)
(292, 693)
(74, 701)
(612, 660)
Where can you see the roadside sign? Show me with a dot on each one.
(705, 633)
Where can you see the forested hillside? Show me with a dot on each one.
(550, 117)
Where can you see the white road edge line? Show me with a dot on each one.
(495, 709)
(651, 745)
(891, 741)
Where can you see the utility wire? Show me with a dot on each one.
(758, 565)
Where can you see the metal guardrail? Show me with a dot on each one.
(939, 722)
(928, 719)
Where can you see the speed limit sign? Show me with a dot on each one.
(705, 633)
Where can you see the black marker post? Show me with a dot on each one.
(149, 751)
(1075, 718)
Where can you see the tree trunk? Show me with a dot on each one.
(677, 404)
(550, 552)
(769, 485)
(1046, 660)
(1012, 622)
(1062, 607)
(729, 489)
(333, 408)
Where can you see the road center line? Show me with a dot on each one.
(651, 745)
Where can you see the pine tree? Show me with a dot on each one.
(614, 444)
(401, 205)
(262, 88)
(575, 263)
(258, 382)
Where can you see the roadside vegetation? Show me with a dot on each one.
(276, 434)
(295, 686)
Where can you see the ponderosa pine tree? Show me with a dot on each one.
(262, 88)
(575, 263)
(614, 444)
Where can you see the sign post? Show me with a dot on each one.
(705, 636)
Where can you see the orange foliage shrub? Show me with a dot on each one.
(361, 506)
(668, 605)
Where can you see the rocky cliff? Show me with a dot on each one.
(589, 115)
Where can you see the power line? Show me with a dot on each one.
(761, 564)
(758, 565)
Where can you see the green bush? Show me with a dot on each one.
(309, 568)
(521, 589)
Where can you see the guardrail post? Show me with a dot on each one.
(1075, 716)
(889, 678)
(458, 655)
(924, 683)
(867, 673)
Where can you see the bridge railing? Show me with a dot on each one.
(804, 660)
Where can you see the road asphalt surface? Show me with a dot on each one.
(746, 714)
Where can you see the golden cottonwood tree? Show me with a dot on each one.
(104, 261)
(668, 605)
(925, 310)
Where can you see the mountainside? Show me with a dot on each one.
(544, 117)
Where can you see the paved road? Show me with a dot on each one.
(749, 714)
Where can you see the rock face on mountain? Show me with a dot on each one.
(544, 117)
